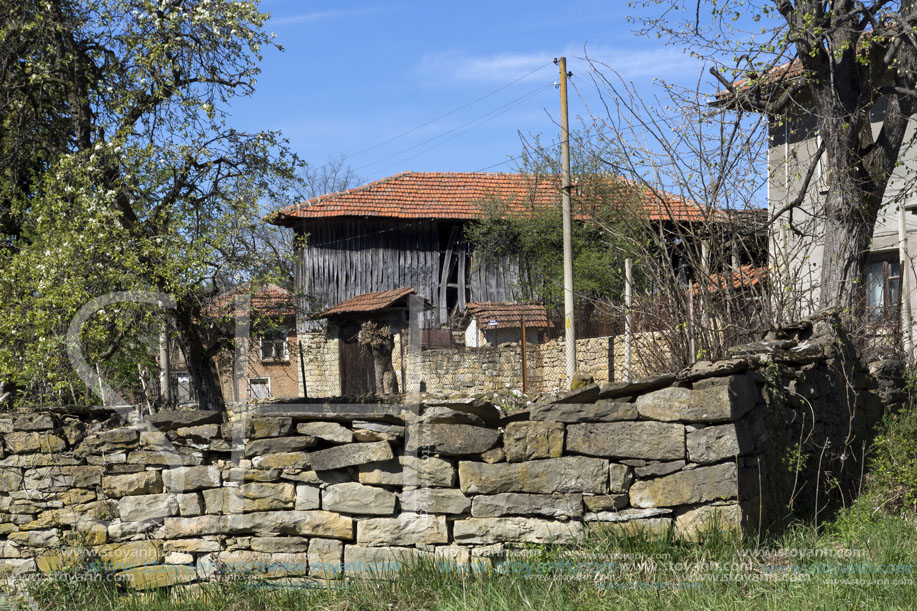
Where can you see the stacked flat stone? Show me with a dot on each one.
(288, 492)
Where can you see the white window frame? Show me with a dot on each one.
(286, 346)
(261, 380)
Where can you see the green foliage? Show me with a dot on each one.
(532, 234)
(120, 173)
(893, 469)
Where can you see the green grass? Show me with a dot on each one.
(800, 570)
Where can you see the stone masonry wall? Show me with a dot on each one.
(474, 371)
(303, 492)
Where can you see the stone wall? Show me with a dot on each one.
(321, 363)
(314, 491)
(473, 371)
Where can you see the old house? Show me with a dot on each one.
(408, 231)
(796, 242)
(492, 324)
(270, 367)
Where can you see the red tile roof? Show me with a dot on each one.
(458, 196)
(745, 276)
(509, 315)
(271, 300)
(368, 302)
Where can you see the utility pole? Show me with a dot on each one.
(570, 331)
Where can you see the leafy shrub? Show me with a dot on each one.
(894, 464)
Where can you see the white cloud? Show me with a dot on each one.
(323, 15)
(632, 63)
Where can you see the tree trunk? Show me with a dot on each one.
(380, 342)
(850, 214)
(200, 366)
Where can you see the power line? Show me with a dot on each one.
(451, 112)
(479, 119)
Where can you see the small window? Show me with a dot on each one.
(883, 288)
(259, 388)
(274, 346)
(183, 390)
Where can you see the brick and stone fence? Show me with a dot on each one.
(317, 491)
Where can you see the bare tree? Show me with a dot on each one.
(848, 63)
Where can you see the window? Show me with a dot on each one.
(274, 346)
(183, 391)
(259, 388)
(883, 288)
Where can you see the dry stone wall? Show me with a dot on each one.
(315, 491)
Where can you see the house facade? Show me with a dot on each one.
(269, 368)
(796, 241)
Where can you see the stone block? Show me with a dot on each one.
(563, 475)
(404, 529)
(628, 515)
(144, 482)
(450, 439)
(351, 455)
(620, 477)
(409, 471)
(528, 440)
(305, 523)
(714, 400)
(30, 422)
(572, 413)
(325, 557)
(147, 507)
(184, 479)
(168, 420)
(434, 500)
(692, 524)
(27, 442)
(514, 530)
(282, 460)
(657, 469)
(250, 497)
(276, 445)
(563, 506)
(112, 441)
(379, 561)
(712, 444)
(606, 502)
(10, 479)
(57, 479)
(307, 497)
(197, 546)
(263, 565)
(699, 485)
(159, 576)
(201, 431)
(326, 431)
(280, 544)
(277, 426)
(352, 497)
(121, 556)
(649, 440)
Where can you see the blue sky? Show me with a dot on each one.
(355, 75)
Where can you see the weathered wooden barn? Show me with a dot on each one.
(409, 231)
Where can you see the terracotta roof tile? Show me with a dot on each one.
(368, 302)
(509, 315)
(458, 196)
(271, 300)
(745, 276)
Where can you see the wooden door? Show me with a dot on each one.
(356, 363)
